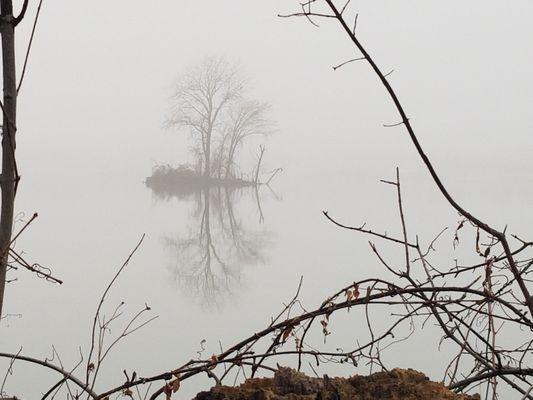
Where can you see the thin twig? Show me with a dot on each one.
(27, 56)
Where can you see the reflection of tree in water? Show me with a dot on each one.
(208, 260)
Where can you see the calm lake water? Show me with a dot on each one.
(216, 265)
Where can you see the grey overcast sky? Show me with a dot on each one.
(101, 74)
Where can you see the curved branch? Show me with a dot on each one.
(491, 374)
(20, 17)
(475, 220)
(367, 231)
(67, 375)
(27, 56)
(102, 299)
(187, 370)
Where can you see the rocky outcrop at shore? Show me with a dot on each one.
(288, 384)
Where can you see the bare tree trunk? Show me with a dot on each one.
(207, 170)
(229, 163)
(207, 148)
(9, 176)
(231, 156)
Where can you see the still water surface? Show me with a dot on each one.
(216, 265)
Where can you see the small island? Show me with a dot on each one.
(210, 103)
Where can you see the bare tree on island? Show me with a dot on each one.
(209, 101)
(200, 98)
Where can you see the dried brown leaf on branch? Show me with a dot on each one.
(456, 235)
(286, 334)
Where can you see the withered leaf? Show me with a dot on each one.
(175, 385)
(214, 361)
(325, 328)
(355, 290)
(167, 390)
(349, 295)
(286, 334)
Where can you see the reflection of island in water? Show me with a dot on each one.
(208, 260)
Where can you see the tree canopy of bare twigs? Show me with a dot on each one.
(209, 101)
